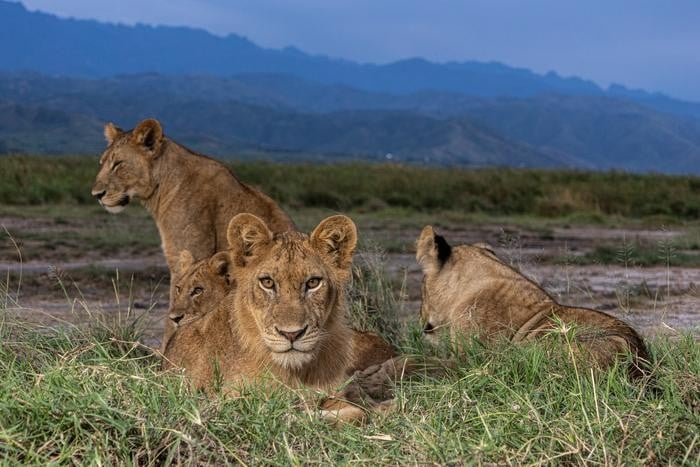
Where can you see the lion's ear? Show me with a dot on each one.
(148, 135)
(112, 132)
(220, 265)
(247, 235)
(186, 260)
(432, 250)
(336, 237)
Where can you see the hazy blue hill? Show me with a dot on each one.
(606, 132)
(42, 42)
(79, 108)
(279, 112)
(270, 90)
(40, 130)
(656, 101)
(224, 94)
(48, 44)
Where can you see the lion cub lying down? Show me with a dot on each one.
(270, 304)
(468, 290)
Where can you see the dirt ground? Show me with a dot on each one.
(60, 266)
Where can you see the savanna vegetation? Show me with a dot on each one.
(588, 196)
(94, 393)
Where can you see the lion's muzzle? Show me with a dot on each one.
(292, 336)
(99, 194)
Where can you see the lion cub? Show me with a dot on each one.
(468, 290)
(271, 303)
(198, 314)
(190, 196)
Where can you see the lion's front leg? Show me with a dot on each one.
(372, 390)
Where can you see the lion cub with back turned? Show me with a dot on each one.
(468, 290)
(271, 303)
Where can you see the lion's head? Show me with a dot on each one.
(433, 253)
(290, 288)
(126, 165)
(199, 287)
(445, 275)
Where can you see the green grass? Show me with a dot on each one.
(583, 197)
(77, 396)
(93, 394)
(374, 303)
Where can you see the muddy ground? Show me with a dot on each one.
(66, 265)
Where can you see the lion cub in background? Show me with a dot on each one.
(468, 290)
(271, 303)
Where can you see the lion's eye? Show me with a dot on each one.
(116, 164)
(196, 291)
(177, 289)
(313, 283)
(267, 283)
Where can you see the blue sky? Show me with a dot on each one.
(649, 44)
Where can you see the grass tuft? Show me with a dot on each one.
(374, 306)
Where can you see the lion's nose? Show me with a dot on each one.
(176, 317)
(99, 194)
(293, 335)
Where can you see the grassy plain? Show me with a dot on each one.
(95, 395)
(79, 385)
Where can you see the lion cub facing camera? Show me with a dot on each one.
(272, 303)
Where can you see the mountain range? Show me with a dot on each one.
(63, 78)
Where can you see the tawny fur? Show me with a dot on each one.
(468, 290)
(191, 197)
(368, 349)
(231, 335)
